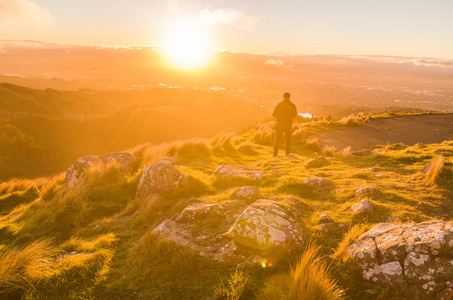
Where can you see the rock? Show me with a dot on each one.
(365, 191)
(318, 183)
(363, 206)
(246, 193)
(415, 257)
(231, 231)
(324, 219)
(221, 213)
(174, 232)
(268, 223)
(161, 178)
(238, 171)
(77, 171)
(330, 227)
(318, 163)
(360, 153)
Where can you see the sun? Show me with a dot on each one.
(187, 46)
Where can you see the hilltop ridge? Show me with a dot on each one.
(185, 236)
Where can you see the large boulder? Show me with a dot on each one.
(161, 178)
(268, 223)
(415, 258)
(233, 231)
(124, 161)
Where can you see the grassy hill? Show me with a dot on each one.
(43, 131)
(94, 241)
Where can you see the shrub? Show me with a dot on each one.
(311, 278)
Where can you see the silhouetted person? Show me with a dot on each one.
(285, 112)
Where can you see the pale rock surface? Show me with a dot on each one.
(161, 178)
(365, 191)
(233, 231)
(246, 193)
(238, 171)
(268, 223)
(363, 206)
(415, 258)
(319, 184)
(77, 171)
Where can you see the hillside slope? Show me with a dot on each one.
(97, 239)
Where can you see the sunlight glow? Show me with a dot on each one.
(188, 46)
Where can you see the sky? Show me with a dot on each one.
(411, 28)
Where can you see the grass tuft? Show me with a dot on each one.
(19, 268)
(311, 278)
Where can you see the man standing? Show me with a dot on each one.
(285, 112)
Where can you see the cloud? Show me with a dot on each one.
(18, 16)
(228, 17)
(275, 62)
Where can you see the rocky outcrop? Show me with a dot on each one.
(124, 161)
(233, 231)
(161, 178)
(416, 258)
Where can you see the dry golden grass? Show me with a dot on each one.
(329, 151)
(20, 267)
(311, 278)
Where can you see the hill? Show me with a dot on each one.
(44, 131)
(101, 235)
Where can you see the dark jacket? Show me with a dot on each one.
(285, 111)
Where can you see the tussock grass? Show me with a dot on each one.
(311, 279)
(329, 151)
(313, 144)
(190, 148)
(75, 277)
(352, 236)
(247, 148)
(21, 267)
(354, 121)
(234, 286)
(440, 172)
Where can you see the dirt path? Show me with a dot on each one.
(408, 130)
